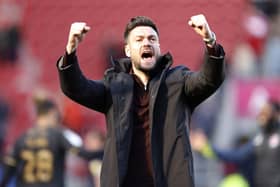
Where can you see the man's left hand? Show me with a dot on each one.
(200, 25)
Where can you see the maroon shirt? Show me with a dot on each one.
(140, 173)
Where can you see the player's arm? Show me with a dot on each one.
(237, 155)
(200, 143)
(87, 154)
(74, 144)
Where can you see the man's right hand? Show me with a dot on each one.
(76, 35)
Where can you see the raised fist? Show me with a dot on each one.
(200, 25)
(76, 35)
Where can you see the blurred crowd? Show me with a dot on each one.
(226, 121)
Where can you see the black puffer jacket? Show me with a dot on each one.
(174, 93)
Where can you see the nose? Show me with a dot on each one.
(146, 42)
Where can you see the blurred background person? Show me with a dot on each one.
(10, 31)
(4, 117)
(257, 158)
(81, 172)
(94, 141)
(38, 156)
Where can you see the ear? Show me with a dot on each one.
(127, 50)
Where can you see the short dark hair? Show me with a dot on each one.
(139, 21)
(43, 105)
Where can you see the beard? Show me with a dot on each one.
(143, 69)
(150, 70)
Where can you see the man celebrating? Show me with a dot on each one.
(147, 104)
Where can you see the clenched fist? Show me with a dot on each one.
(200, 25)
(76, 35)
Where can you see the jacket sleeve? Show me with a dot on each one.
(203, 83)
(77, 87)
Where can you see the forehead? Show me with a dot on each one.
(143, 31)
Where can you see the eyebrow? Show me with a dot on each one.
(149, 36)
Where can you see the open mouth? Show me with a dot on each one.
(147, 54)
